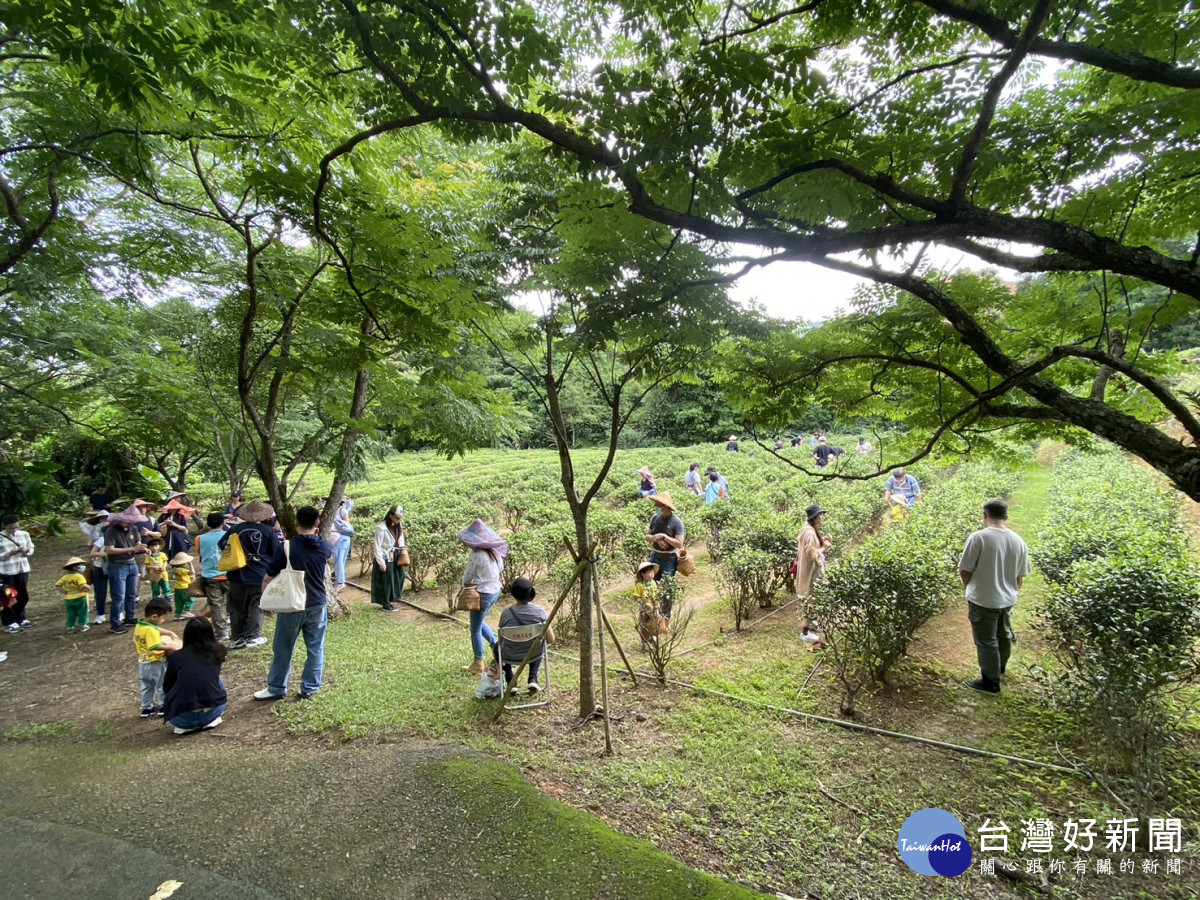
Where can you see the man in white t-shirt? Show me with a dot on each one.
(993, 567)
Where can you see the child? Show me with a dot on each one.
(646, 592)
(75, 592)
(182, 573)
(156, 569)
(153, 643)
(524, 612)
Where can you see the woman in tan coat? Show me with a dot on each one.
(810, 551)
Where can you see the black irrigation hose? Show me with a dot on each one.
(813, 717)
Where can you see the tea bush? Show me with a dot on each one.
(1121, 610)
(870, 607)
(1100, 502)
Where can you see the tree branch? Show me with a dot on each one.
(991, 98)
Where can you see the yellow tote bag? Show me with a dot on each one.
(233, 556)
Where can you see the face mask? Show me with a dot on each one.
(81, 569)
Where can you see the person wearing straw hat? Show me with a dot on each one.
(665, 536)
(182, 575)
(387, 575)
(732, 446)
(74, 586)
(485, 566)
(811, 547)
(260, 543)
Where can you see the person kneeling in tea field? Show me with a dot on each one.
(523, 612)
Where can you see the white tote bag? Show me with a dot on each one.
(286, 593)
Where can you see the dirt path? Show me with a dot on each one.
(106, 804)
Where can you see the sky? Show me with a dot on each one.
(798, 290)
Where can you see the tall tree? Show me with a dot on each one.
(1040, 137)
(622, 300)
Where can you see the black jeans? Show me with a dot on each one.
(245, 618)
(533, 668)
(16, 612)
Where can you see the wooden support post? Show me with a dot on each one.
(603, 666)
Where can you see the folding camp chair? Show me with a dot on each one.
(520, 634)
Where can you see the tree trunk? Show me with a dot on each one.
(587, 598)
(579, 511)
(345, 457)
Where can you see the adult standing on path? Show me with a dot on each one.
(485, 566)
(122, 547)
(310, 553)
(811, 547)
(213, 581)
(259, 543)
(387, 576)
(993, 567)
(173, 525)
(97, 522)
(342, 535)
(16, 546)
(665, 535)
(231, 509)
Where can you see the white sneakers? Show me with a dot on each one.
(265, 694)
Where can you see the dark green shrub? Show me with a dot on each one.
(869, 608)
(748, 579)
(1125, 630)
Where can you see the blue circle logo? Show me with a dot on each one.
(933, 842)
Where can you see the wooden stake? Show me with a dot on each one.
(603, 665)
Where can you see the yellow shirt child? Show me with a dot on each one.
(73, 585)
(156, 567)
(75, 593)
(181, 577)
(182, 574)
